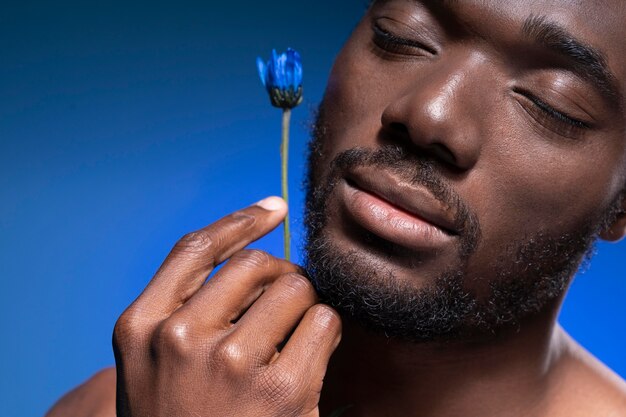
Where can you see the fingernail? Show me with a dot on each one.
(271, 203)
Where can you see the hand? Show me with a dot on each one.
(252, 341)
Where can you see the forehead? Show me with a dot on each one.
(598, 21)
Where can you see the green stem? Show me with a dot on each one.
(284, 156)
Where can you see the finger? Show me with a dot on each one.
(223, 299)
(311, 345)
(270, 320)
(195, 255)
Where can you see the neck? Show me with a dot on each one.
(498, 375)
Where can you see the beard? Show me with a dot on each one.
(528, 275)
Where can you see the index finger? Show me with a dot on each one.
(195, 255)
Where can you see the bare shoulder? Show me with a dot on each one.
(586, 386)
(94, 398)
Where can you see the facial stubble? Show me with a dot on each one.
(528, 275)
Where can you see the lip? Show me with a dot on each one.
(397, 211)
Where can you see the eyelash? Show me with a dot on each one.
(391, 43)
(555, 114)
(552, 119)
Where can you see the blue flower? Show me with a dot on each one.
(282, 78)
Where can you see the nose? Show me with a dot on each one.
(440, 110)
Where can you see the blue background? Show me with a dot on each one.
(124, 125)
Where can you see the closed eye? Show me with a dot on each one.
(554, 113)
(551, 119)
(390, 42)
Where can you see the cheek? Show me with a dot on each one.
(355, 98)
(541, 186)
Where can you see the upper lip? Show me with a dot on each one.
(416, 200)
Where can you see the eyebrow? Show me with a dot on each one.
(587, 61)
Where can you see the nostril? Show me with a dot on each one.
(442, 153)
(399, 128)
(399, 133)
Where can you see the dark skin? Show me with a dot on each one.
(528, 140)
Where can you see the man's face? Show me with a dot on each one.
(466, 155)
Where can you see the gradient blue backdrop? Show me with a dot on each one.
(124, 125)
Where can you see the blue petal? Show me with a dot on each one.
(270, 73)
(288, 71)
(297, 76)
(281, 72)
(297, 69)
(260, 64)
(282, 77)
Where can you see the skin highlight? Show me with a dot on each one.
(513, 156)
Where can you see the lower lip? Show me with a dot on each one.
(391, 223)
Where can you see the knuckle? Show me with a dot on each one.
(174, 337)
(232, 356)
(129, 328)
(297, 283)
(242, 219)
(199, 242)
(325, 317)
(253, 258)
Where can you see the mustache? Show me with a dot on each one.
(415, 169)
